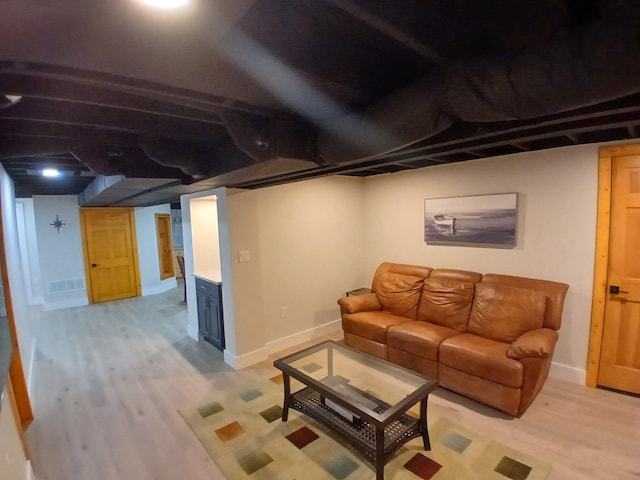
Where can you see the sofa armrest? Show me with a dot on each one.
(359, 303)
(537, 343)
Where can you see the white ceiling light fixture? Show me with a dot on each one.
(50, 172)
(167, 4)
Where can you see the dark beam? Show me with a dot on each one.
(114, 119)
(142, 88)
(74, 92)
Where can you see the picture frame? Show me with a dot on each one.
(476, 220)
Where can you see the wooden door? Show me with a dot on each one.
(620, 350)
(165, 245)
(110, 253)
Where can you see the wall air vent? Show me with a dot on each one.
(62, 286)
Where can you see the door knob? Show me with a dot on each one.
(615, 290)
(94, 265)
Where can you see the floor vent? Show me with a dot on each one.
(61, 286)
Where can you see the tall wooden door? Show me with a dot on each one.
(165, 245)
(110, 253)
(620, 350)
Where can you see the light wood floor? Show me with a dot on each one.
(109, 379)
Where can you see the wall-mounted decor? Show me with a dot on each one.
(481, 220)
(57, 224)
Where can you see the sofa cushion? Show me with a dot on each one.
(503, 312)
(420, 338)
(371, 325)
(446, 303)
(399, 294)
(483, 358)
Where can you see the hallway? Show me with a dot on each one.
(108, 379)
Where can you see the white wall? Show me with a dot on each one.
(557, 194)
(147, 244)
(205, 242)
(60, 252)
(25, 332)
(29, 257)
(13, 462)
(311, 244)
(305, 243)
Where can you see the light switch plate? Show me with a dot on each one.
(243, 256)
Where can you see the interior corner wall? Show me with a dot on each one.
(240, 230)
(311, 246)
(60, 250)
(29, 250)
(305, 243)
(148, 257)
(13, 461)
(557, 203)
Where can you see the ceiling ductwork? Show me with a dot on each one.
(585, 67)
(287, 91)
(270, 138)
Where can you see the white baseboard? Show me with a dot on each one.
(261, 354)
(30, 475)
(163, 287)
(304, 336)
(39, 300)
(192, 331)
(568, 373)
(75, 302)
(245, 360)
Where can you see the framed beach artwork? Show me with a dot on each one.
(480, 220)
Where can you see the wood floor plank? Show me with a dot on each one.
(110, 378)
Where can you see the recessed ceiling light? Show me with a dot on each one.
(50, 172)
(166, 3)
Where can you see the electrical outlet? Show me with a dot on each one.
(284, 312)
(243, 256)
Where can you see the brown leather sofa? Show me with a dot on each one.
(489, 337)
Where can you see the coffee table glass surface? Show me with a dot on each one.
(376, 388)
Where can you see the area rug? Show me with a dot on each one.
(242, 431)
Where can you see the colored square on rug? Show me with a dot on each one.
(209, 409)
(311, 367)
(456, 442)
(229, 432)
(422, 466)
(302, 437)
(513, 469)
(248, 440)
(272, 414)
(254, 461)
(250, 394)
(340, 466)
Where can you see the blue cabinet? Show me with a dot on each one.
(210, 318)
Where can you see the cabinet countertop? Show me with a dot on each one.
(210, 275)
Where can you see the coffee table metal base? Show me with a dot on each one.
(376, 444)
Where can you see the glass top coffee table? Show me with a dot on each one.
(361, 398)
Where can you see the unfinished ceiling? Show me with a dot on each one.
(137, 106)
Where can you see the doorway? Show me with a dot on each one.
(614, 345)
(111, 257)
(165, 245)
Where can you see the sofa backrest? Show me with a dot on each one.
(446, 298)
(456, 275)
(398, 288)
(554, 292)
(401, 268)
